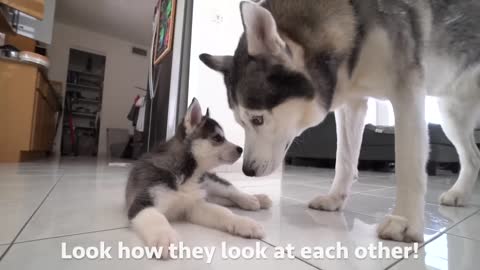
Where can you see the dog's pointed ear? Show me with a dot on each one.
(207, 114)
(193, 117)
(260, 29)
(220, 63)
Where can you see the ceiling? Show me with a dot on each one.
(125, 19)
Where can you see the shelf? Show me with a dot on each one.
(84, 128)
(87, 100)
(86, 73)
(87, 115)
(84, 87)
(34, 8)
(80, 91)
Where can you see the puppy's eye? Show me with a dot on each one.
(218, 138)
(257, 120)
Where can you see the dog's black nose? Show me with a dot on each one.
(248, 171)
(239, 150)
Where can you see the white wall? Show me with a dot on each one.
(123, 72)
(386, 116)
(216, 29)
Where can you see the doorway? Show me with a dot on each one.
(83, 103)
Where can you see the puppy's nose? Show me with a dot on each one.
(239, 150)
(248, 171)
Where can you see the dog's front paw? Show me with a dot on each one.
(247, 202)
(264, 200)
(454, 198)
(246, 227)
(400, 229)
(330, 202)
(162, 238)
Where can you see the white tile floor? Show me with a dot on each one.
(80, 203)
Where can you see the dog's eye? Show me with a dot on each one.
(257, 120)
(218, 138)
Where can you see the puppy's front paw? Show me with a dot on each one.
(330, 202)
(247, 202)
(265, 201)
(246, 227)
(400, 229)
(161, 238)
(454, 198)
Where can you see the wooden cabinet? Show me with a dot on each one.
(34, 8)
(22, 43)
(28, 111)
(44, 116)
(29, 18)
(43, 125)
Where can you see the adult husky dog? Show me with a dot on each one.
(298, 60)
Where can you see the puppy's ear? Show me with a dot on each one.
(220, 63)
(260, 29)
(193, 117)
(207, 114)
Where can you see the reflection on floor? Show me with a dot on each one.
(80, 203)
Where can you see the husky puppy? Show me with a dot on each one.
(298, 60)
(174, 183)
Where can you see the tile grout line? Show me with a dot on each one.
(372, 190)
(295, 200)
(477, 210)
(393, 198)
(341, 211)
(68, 235)
(380, 188)
(372, 216)
(366, 193)
(436, 237)
(357, 182)
(451, 227)
(296, 257)
(379, 196)
(464, 237)
(420, 246)
(30, 218)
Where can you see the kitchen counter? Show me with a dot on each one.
(18, 61)
(29, 108)
(41, 69)
(10, 60)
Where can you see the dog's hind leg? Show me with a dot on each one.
(220, 201)
(350, 120)
(221, 218)
(154, 229)
(459, 119)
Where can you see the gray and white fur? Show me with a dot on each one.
(298, 60)
(173, 182)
